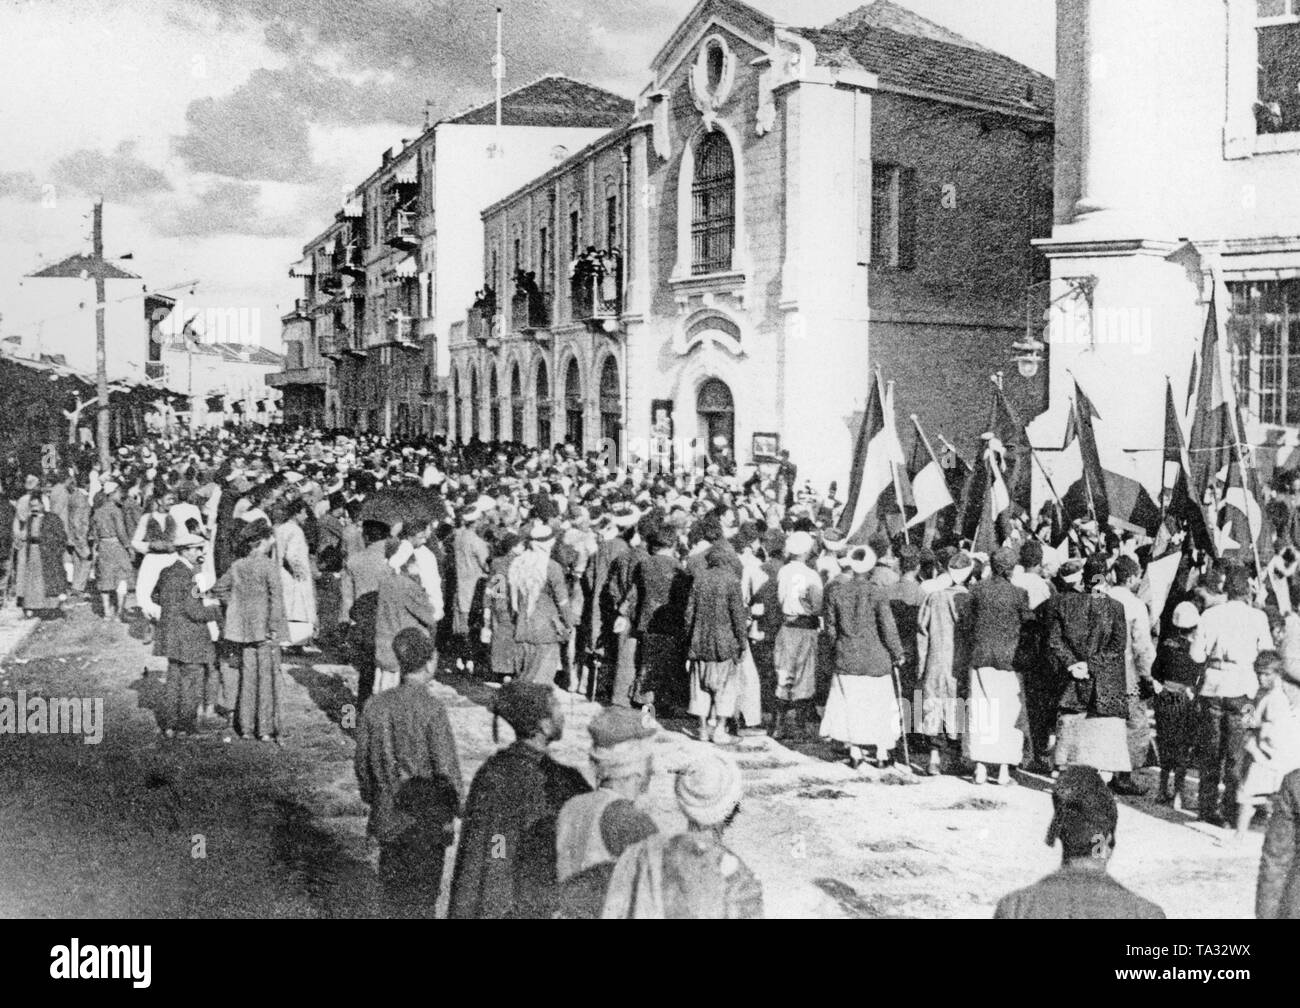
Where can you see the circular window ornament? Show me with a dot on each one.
(713, 74)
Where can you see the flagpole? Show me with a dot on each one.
(893, 463)
(1087, 483)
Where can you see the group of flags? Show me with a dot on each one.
(1209, 487)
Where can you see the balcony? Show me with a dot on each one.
(531, 311)
(400, 231)
(481, 328)
(595, 298)
(297, 376)
(400, 329)
(350, 261)
(302, 308)
(336, 347)
(154, 370)
(354, 345)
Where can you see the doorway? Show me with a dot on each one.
(716, 429)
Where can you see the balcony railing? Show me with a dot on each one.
(301, 307)
(531, 311)
(154, 369)
(350, 261)
(399, 231)
(402, 330)
(596, 298)
(481, 328)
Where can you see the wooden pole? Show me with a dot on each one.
(101, 351)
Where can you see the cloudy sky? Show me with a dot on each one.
(223, 133)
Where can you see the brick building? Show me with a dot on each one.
(787, 209)
(384, 282)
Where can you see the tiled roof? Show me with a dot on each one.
(923, 58)
(553, 101)
(886, 14)
(75, 265)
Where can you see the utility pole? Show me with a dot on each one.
(101, 350)
(499, 69)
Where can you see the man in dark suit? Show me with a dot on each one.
(185, 637)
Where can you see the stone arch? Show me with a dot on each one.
(542, 405)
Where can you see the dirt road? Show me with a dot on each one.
(137, 826)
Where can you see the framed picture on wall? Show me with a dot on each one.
(765, 446)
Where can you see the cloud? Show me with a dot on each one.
(119, 176)
(225, 207)
(440, 50)
(20, 186)
(260, 131)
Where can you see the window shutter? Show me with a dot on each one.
(907, 210)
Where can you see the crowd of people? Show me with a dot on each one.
(735, 605)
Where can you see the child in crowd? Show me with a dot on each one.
(1272, 748)
(1175, 704)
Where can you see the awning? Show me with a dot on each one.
(303, 268)
(408, 172)
(353, 207)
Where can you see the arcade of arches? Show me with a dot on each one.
(518, 401)
(582, 410)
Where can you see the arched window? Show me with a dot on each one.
(573, 404)
(611, 408)
(713, 215)
(474, 402)
(494, 405)
(543, 390)
(516, 404)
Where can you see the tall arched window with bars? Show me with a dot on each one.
(713, 217)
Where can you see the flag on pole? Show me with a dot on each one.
(1079, 425)
(930, 492)
(1214, 422)
(1181, 503)
(871, 479)
(901, 506)
(1017, 451)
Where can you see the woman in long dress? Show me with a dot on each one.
(42, 582)
(296, 577)
(154, 538)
